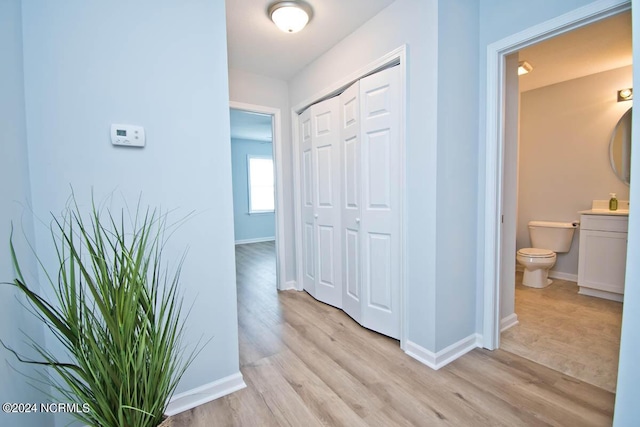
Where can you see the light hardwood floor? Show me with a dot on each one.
(308, 364)
(574, 334)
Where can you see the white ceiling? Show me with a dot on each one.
(252, 126)
(256, 45)
(602, 46)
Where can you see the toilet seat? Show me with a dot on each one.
(536, 253)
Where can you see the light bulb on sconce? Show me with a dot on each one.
(524, 68)
(625, 94)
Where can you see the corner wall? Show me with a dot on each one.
(16, 324)
(162, 65)
(456, 198)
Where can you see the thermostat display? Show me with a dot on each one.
(127, 135)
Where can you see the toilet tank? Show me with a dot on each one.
(555, 236)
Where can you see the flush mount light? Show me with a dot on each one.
(524, 67)
(625, 94)
(290, 16)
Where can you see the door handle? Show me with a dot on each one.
(315, 216)
(358, 220)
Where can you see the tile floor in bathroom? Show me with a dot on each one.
(574, 334)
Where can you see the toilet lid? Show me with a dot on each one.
(536, 253)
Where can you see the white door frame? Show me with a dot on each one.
(494, 165)
(396, 57)
(279, 192)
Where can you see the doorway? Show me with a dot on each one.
(495, 174)
(278, 204)
(561, 120)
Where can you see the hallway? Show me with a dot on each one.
(307, 363)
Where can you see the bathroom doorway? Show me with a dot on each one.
(506, 225)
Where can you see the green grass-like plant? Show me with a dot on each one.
(116, 311)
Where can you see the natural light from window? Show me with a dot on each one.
(261, 194)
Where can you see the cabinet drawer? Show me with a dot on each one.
(604, 223)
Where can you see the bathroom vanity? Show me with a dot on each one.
(603, 252)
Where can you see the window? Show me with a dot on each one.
(261, 195)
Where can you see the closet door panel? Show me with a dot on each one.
(351, 200)
(380, 221)
(307, 202)
(325, 138)
(378, 264)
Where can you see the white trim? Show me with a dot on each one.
(508, 322)
(563, 276)
(290, 285)
(206, 393)
(256, 240)
(590, 292)
(297, 197)
(279, 187)
(494, 162)
(444, 356)
(397, 56)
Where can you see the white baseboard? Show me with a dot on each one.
(258, 240)
(601, 294)
(444, 356)
(290, 285)
(206, 393)
(563, 276)
(508, 322)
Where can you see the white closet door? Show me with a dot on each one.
(320, 169)
(325, 130)
(351, 194)
(307, 201)
(380, 219)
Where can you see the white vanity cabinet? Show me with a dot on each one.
(602, 255)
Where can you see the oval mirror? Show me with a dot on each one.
(620, 148)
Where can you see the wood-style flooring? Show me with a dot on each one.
(308, 364)
(574, 334)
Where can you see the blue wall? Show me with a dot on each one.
(457, 170)
(161, 64)
(14, 201)
(248, 227)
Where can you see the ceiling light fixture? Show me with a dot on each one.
(625, 94)
(290, 16)
(524, 67)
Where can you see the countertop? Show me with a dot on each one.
(619, 212)
(601, 207)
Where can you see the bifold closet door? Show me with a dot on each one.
(320, 161)
(351, 193)
(380, 225)
(350, 167)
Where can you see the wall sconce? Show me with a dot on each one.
(290, 16)
(524, 67)
(625, 94)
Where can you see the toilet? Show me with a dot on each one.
(547, 239)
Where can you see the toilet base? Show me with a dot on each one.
(536, 278)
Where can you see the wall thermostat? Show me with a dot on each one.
(127, 135)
